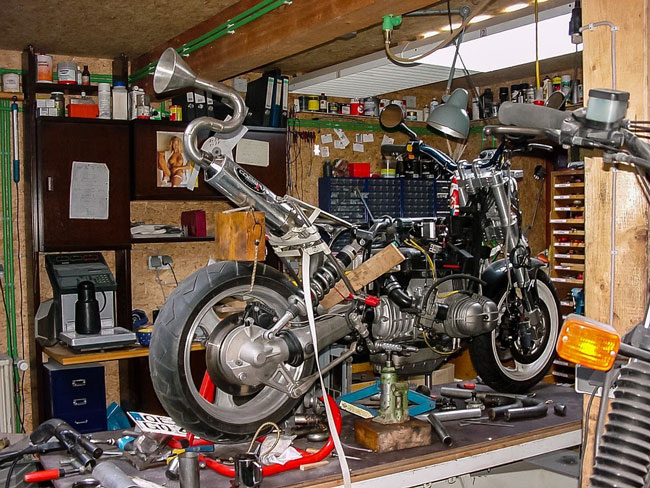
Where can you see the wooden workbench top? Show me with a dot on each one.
(469, 441)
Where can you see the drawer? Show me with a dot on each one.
(76, 403)
(87, 421)
(76, 382)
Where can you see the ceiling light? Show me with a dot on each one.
(428, 34)
(453, 26)
(480, 18)
(515, 7)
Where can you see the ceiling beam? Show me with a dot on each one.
(284, 32)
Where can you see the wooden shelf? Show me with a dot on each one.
(67, 357)
(569, 185)
(569, 209)
(569, 244)
(569, 256)
(164, 238)
(9, 95)
(65, 88)
(573, 281)
(570, 196)
(562, 232)
(567, 221)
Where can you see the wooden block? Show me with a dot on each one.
(392, 437)
(235, 236)
(366, 273)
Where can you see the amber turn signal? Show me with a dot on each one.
(588, 343)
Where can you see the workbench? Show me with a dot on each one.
(476, 447)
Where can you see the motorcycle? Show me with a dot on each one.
(262, 329)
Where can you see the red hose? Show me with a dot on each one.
(324, 451)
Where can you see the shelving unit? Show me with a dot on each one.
(567, 220)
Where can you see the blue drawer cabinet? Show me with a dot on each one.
(397, 197)
(76, 394)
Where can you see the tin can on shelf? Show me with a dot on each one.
(313, 103)
(43, 68)
(11, 82)
(176, 113)
(333, 107)
(59, 103)
(67, 73)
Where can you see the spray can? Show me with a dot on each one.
(475, 109)
(547, 87)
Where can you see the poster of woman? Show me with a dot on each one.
(172, 169)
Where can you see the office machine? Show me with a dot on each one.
(55, 318)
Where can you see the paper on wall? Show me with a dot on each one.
(253, 153)
(358, 138)
(89, 187)
(338, 144)
(342, 137)
(368, 138)
(325, 151)
(356, 147)
(326, 138)
(387, 140)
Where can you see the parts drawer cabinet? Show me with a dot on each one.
(76, 394)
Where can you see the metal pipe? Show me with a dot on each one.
(532, 408)
(495, 412)
(110, 476)
(466, 413)
(440, 430)
(188, 470)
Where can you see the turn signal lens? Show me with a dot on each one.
(588, 343)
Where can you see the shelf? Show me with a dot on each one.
(569, 209)
(9, 95)
(570, 196)
(569, 256)
(65, 88)
(561, 232)
(164, 238)
(572, 281)
(573, 266)
(66, 357)
(569, 185)
(566, 303)
(569, 244)
(567, 221)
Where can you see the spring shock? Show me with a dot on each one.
(327, 275)
(622, 457)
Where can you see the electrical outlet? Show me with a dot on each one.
(160, 261)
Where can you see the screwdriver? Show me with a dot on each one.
(49, 475)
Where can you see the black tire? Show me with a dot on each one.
(489, 366)
(167, 353)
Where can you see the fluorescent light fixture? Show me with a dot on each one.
(453, 26)
(515, 7)
(428, 34)
(512, 47)
(480, 18)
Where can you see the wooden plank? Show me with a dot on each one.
(367, 272)
(68, 357)
(631, 275)
(236, 234)
(392, 437)
(288, 30)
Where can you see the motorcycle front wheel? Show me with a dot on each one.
(492, 355)
(201, 303)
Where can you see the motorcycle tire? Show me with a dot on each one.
(484, 350)
(191, 308)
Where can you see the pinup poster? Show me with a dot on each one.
(173, 170)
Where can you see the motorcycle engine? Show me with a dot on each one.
(390, 323)
(460, 314)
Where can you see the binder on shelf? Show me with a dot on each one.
(260, 97)
(285, 101)
(276, 106)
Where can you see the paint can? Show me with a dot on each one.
(11, 82)
(67, 73)
(175, 113)
(356, 107)
(333, 108)
(345, 109)
(313, 103)
(371, 106)
(43, 68)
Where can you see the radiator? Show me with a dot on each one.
(7, 419)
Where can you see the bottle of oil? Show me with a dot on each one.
(85, 76)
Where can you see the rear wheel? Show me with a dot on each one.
(498, 356)
(208, 301)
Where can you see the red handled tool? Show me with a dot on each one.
(48, 475)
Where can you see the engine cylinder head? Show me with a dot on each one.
(468, 315)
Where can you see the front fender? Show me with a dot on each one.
(496, 278)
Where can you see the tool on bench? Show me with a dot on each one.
(188, 469)
(395, 397)
(84, 451)
(110, 476)
(440, 430)
(49, 475)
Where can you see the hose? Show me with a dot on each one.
(622, 456)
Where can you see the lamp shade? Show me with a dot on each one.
(451, 117)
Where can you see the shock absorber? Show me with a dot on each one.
(622, 456)
(327, 275)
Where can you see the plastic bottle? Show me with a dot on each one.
(322, 103)
(120, 101)
(104, 99)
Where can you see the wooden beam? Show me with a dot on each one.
(283, 32)
(631, 223)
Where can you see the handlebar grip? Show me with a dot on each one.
(532, 116)
(45, 475)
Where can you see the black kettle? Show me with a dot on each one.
(87, 320)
